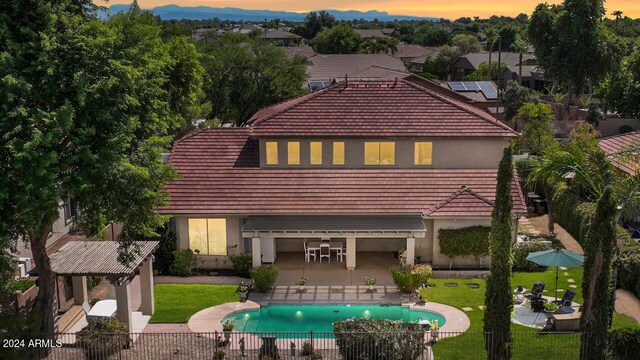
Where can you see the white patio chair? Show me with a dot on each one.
(325, 251)
(308, 253)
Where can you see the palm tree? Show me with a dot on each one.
(618, 15)
(491, 35)
(519, 46)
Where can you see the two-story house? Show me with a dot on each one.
(381, 165)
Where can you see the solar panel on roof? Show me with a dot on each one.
(457, 86)
(471, 86)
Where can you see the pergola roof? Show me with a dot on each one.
(334, 224)
(98, 258)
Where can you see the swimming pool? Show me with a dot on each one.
(320, 318)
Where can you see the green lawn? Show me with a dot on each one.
(526, 341)
(175, 303)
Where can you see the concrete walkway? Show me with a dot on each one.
(626, 302)
(213, 280)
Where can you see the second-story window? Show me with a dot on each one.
(379, 153)
(338, 153)
(315, 152)
(272, 152)
(293, 153)
(423, 153)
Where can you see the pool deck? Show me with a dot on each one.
(334, 294)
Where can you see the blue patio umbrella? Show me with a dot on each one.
(557, 258)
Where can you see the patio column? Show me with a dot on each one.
(123, 302)
(351, 252)
(256, 251)
(411, 250)
(79, 286)
(146, 286)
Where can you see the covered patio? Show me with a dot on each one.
(350, 232)
(79, 259)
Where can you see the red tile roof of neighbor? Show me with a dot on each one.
(376, 108)
(220, 174)
(614, 145)
(463, 201)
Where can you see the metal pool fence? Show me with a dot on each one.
(293, 345)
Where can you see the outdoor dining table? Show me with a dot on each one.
(336, 246)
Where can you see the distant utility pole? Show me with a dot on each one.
(499, 74)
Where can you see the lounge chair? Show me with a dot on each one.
(536, 291)
(567, 298)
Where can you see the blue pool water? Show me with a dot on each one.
(320, 318)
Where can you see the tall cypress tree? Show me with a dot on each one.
(596, 278)
(498, 297)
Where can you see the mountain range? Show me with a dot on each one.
(176, 12)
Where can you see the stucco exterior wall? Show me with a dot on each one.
(363, 244)
(451, 153)
(234, 238)
(424, 246)
(442, 261)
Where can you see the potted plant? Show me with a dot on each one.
(370, 281)
(549, 309)
(301, 283)
(434, 328)
(227, 328)
(243, 290)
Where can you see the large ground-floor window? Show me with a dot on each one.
(208, 236)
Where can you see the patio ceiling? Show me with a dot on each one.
(333, 224)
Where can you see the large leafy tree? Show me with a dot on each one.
(244, 79)
(513, 97)
(430, 35)
(314, 22)
(498, 297)
(538, 131)
(572, 45)
(621, 89)
(85, 108)
(340, 39)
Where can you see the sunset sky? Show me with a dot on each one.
(450, 9)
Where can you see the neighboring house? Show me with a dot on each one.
(382, 165)
(323, 69)
(245, 28)
(281, 37)
(388, 31)
(468, 63)
(532, 77)
(474, 97)
(302, 51)
(410, 52)
(615, 147)
(370, 33)
(480, 92)
(204, 34)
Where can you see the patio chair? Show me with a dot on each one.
(567, 298)
(536, 291)
(537, 305)
(308, 253)
(325, 251)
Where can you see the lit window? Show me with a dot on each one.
(423, 154)
(379, 153)
(208, 236)
(315, 151)
(293, 151)
(338, 153)
(272, 152)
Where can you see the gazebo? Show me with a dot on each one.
(80, 259)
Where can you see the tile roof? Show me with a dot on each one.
(508, 58)
(326, 67)
(412, 51)
(304, 51)
(614, 145)
(220, 174)
(377, 72)
(370, 33)
(279, 34)
(376, 108)
(464, 202)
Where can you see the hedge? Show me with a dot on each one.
(522, 250)
(629, 270)
(623, 344)
(409, 278)
(378, 339)
(465, 242)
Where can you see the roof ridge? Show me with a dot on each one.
(463, 106)
(456, 194)
(311, 95)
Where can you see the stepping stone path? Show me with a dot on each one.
(565, 273)
(573, 286)
(481, 307)
(563, 268)
(467, 309)
(570, 281)
(529, 227)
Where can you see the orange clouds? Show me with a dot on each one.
(433, 8)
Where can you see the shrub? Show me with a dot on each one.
(378, 339)
(629, 269)
(22, 285)
(99, 341)
(465, 242)
(164, 257)
(264, 277)
(184, 262)
(520, 252)
(624, 344)
(242, 264)
(92, 281)
(409, 278)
